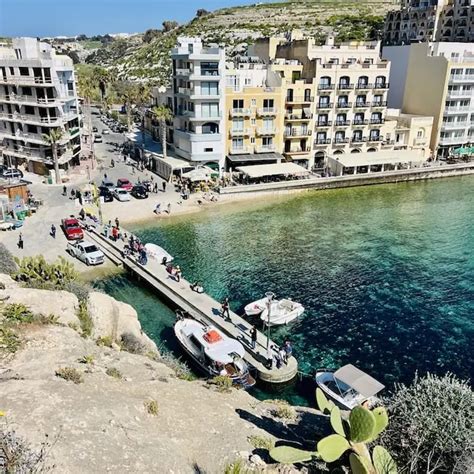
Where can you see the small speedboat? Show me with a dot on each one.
(256, 307)
(214, 352)
(282, 312)
(157, 253)
(349, 386)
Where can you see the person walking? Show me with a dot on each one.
(177, 273)
(112, 163)
(64, 191)
(225, 310)
(288, 350)
(164, 186)
(20, 241)
(155, 188)
(117, 223)
(53, 231)
(157, 209)
(168, 208)
(253, 335)
(282, 354)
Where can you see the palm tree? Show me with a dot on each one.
(53, 139)
(163, 114)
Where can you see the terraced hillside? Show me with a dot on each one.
(236, 27)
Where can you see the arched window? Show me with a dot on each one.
(371, 150)
(355, 150)
(325, 82)
(338, 152)
(341, 119)
(307, 95)
(376, 117)
(380, 82)
(210, 128)
(344, 82)
(362, 82)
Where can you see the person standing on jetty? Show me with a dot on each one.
(20, 241)
(253, 335)
(225, 310)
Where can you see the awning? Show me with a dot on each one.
(464, 151)
(391, 157)
(358, 380)
(258, 171)
(198, 174)
(252, 157)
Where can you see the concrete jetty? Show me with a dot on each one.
(201, 307)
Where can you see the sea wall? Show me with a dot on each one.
(365, 179)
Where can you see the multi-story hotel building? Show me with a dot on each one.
(430, 20)
(198, 102)
(37, 95)
(436, 79)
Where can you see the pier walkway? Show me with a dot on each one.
(201, 307)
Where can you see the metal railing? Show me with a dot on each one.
(342, 123)
(240, 112)
(240, 150)
(28, 80)
(267, 111)
(322, 141)
(324, 105)
(240, 133)
(343, 105)
(298, 132)
(300, 99)
(324, 123)
(265, 148)
(262, 131)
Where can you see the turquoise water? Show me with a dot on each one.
(386, 273)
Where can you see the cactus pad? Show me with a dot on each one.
(359, 464)
(383, 461)
(336, 421)
(332, 447)
(381, 421)
(323, 403)
(362, 423)
(289, 455)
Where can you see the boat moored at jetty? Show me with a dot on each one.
(157, 253)
(282, 312)
(349, 386)
(214, 352)
(256, 307)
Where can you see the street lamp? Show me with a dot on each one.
(270, 296)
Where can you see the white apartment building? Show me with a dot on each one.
(436, 79)
(37, 94)
(198, 90)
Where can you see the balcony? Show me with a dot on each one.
(265, 149)
(466, 78)
(457, 109)
(322, 141)
(182, 72)
(241, 150)
(324, 123)
(455, 125)
(342, 123)
(326, 87)
(324, 105)
(453, 140)
(298, 117)
(377, 121)
(12, 98)
(360, 122)
(344, 105)
(33, 118)
(240, 112)
(340, 141)
(381, 86)
(361, 105)
(345, 87)
(373, 139)
(266, 132)
(267, 111)
(73, 131)
(298, 133)
(362, 86)
(358, 140)
(460, 93)
(299, 99)
(379, 103)
(297, 151)
(184, 90)
(240, 133)
(29, 80)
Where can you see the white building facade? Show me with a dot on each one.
(37, 95)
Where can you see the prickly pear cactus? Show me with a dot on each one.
(332, 447)
(359, 464)
(383, 461)
(336, 421)
(289, 455)
(362, 423)
(323, 403)
(381, 421)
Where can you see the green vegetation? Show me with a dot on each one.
(261, 442)
(283, 410)
(70, 374)
(87, 325)
(130, 343)
(10, 342)
(179, 367)
(104, 341)
(114, 372)
(222, 383)
(7, 262)
(17, 313)
(151, 407)
(87, 359)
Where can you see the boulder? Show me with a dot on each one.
(7, 282)
(114, 319)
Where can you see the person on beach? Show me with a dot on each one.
(168, 208)
(225, 310)
(253, 336)
(20, 241)
(53, 231)
(157, 209)
(112, 163)
(105, 176)
(177, 273)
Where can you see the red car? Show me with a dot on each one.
(124, 184)
(72, 229)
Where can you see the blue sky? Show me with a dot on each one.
(73, 17)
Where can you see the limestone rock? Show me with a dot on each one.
(114, 318)
(7, 282)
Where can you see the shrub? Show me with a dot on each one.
(284, 410)
(7, 262)
(18, 313)
(261, 442)
(17, 456)
(9, 340)
(131, 343)
(223, 383)
(87, 359)
(431, 424)
(106, 341)
(78, 288)
(70, 374)
(85, 319)
(179, 367)
(114, 372)
(151, 406)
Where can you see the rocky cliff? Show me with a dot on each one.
(100, 408)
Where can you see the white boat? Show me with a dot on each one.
(282, 312)
(214, 352)
(256, 307)
(349, 386)
(157, 253)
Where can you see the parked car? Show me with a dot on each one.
(139, 192)
(124, 184)
(105, 131)
(12, 173)
(121, 194)
(72, 229)
(97, 138)
(106, 193)
(86, 252)
(106, 183)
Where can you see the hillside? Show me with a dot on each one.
(238, 26)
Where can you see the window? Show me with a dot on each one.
(248, 81)
(29, 110)
(233, 81)
(24, 71)
(253, 122)
(374, 135)
(322, 119)
(252, 140)
(360, 100)
(380, 81)
(359, 118)
(357, 136)
(210, 110)
(378, 99)
(343, 101)
(209, 69)
(27, 90)
(237, 143)
(419, 134)
(238, 125)
(31, 128)
(238, 104)
(210, 128)
(344, 81)
(268, 124)
(267, 142)
(307, 95)
(340, 137)
(209, 88)
(18, 53)
(254, 102)
(363, 81)
(208, 150)
(341, 119)
(324, 100)
(268, 103)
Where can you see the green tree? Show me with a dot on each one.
(53, 138)
(150, 35)
(169, 25)
(163, 114)
(129, 93)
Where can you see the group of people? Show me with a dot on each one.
(158, 208)
(175, 272)
(113, 231)
(135, 248)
